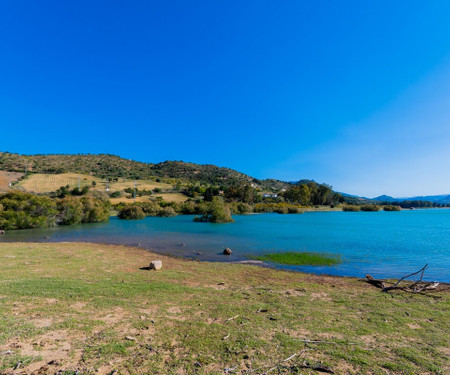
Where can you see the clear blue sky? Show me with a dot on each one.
(352, 93)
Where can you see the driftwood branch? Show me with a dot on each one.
(325, 342)
(317, 367)
(418, 286)
(232, 318)
(378, 283)
(422, 270)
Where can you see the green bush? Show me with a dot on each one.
(280, 208)
(240, 208)
(166, 212)
(218, 212)
(25, 210)
(150, 208)
(370, 207)
(71, 211)
(294, 210)
(188, 208)
(391, 208)
(95, 209)
(351, 208)
(131, 212)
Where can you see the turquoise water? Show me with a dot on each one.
(383, 244)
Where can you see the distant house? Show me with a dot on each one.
(269, 195)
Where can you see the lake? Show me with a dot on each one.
(383, 244)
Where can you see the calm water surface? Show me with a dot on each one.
(384, 244)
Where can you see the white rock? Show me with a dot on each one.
(156, 264)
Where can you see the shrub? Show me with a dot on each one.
(370, 207)
(95, 209)
(391, 208)
(166, 212)
(188, 208)
(281, 210)
(70, 211)
(294, 210)
(115, 194)
(131, 212)
(26, 210)
(351, 208)
(150, 208)
(240, 208)
(217, 212)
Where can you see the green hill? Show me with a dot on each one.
(112, 166)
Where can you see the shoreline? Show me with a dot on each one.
(244, 262)
(93, 308)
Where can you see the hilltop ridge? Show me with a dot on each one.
(107, 166)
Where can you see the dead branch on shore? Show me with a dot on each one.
(418, 286)
(325, 342)
(232, 318)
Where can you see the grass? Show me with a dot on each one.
(88, 308)
(301, 259)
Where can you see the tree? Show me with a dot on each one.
(70, 211)
(95, 209)
(305, 195)
(26, 210)
(208, 196)
(217, 212)
(248, 194)
(131, 212)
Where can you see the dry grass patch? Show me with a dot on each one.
(140, 184)
(172, 197)
(45, 183)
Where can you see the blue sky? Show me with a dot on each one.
(355, 94)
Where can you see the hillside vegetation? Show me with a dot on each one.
(110, 166)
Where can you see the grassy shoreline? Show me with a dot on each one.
(93, 309)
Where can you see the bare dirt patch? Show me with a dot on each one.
(79, 306)
(42, 323)
(114, 317)
(320, 296)
(8, 177)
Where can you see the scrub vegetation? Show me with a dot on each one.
(19, 210)
(135, 190)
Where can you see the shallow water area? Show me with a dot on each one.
(383, 244)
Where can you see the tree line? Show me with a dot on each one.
(20, 210)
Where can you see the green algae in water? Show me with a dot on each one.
(292, 258)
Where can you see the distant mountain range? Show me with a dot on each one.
(445, 198)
